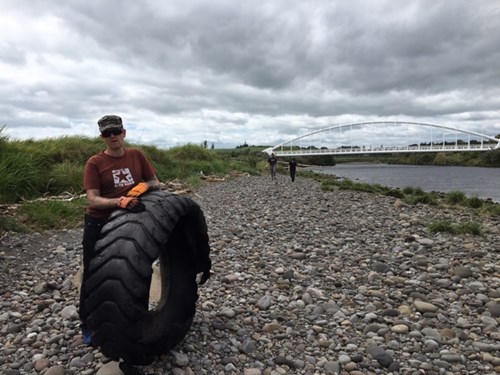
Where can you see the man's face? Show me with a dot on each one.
(114, 138)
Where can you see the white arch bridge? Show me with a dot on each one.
(378, 137)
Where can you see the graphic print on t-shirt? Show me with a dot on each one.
(122, 177)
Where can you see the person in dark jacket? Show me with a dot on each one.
(292, 167)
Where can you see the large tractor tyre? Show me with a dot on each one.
(172, 229)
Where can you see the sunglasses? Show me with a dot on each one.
(109, 133)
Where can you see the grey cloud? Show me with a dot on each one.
(270, 61)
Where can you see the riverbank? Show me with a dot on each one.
(304, 281)
(471, 181)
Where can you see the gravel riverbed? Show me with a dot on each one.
(304, 282)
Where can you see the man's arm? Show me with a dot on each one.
(95, 200)
(154, 183)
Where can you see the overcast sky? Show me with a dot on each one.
(260, 72)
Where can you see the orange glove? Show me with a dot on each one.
(130, 203)
(138, 189)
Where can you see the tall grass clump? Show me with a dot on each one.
(415, 195)
(493, 209)
(474, 202)
(445, 226)
(396, 193)
(192, 152)
(328, 184)
(64, 177)
(332, 183)
(30, 169)
(9, 224)
(455, 197)
(76, 149)
(21, 176)
(411, 190)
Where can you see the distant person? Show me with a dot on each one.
(272, 165)
(113, 178)
(292, 167)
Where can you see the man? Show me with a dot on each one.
(292, 167)
(113, 178)
(272, 165)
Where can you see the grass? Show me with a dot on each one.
(493, 209)
(53, 214)
(20, 176)
(409, 194)
(33, 169)
(9, 224)
(422, 198)
(330, 183)
(474, 202)
(455, 197)
(470, 227)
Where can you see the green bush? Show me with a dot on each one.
(443, 158)
(491, 158)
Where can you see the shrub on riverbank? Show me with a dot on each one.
(411, 195)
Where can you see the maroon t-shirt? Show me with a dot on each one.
(115, 176)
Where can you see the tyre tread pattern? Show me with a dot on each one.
(172, 229)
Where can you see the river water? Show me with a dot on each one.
(472, 181)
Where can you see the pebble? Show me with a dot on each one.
(304, 281)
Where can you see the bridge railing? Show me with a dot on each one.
(373, 150)
(342, 139)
